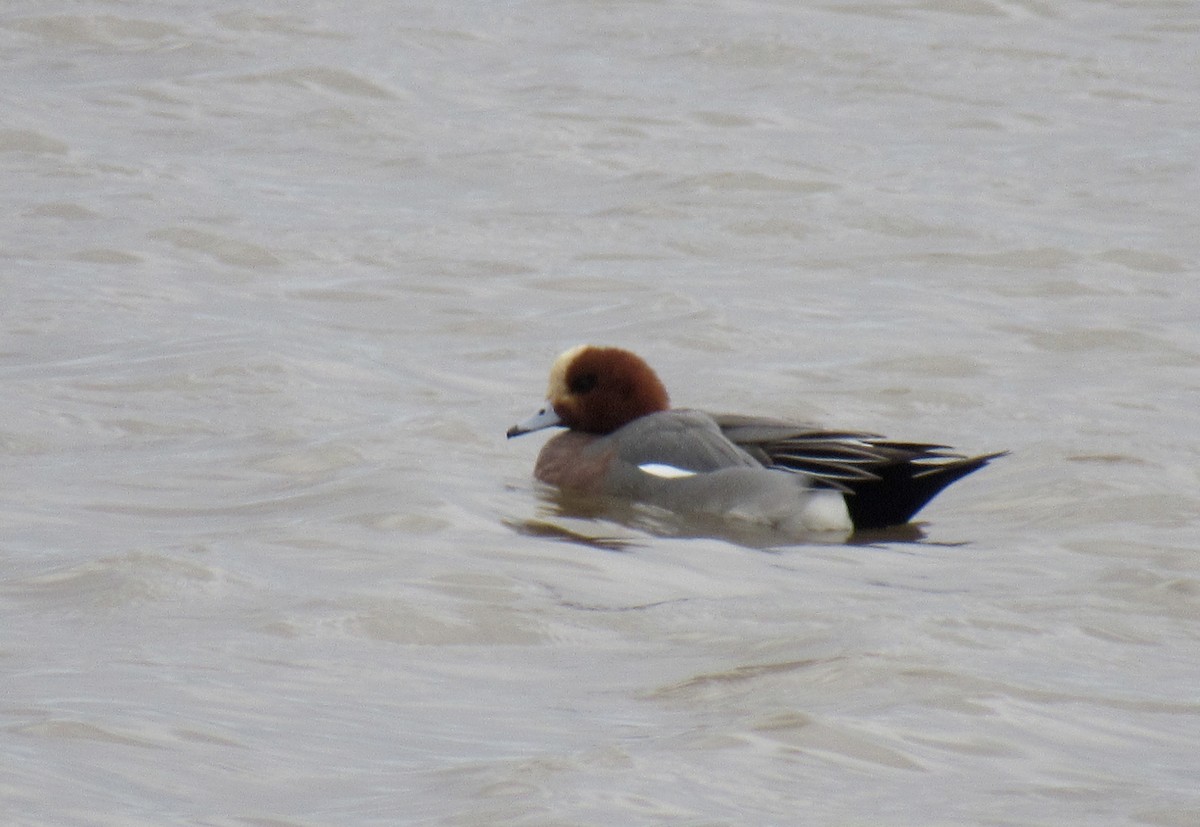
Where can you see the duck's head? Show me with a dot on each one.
(597, 390)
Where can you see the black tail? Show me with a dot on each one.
(898, 490)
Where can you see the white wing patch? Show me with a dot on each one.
(667, 472)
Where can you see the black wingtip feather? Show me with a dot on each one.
(904, 488)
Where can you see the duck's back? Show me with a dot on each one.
(690, 441)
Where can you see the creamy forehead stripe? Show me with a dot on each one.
(558, 372)
(667, 472)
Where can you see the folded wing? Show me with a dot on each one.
(886, 482)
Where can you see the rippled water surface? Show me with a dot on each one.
(276, 278)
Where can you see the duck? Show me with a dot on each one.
(623, 439)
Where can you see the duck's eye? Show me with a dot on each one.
(583, 383)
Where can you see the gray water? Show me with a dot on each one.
(276, 280)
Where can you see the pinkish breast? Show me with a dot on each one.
(567, 462)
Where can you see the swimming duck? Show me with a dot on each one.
(623, 439)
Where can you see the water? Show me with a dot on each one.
(276, 280)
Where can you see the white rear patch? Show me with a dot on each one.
(667, 472)
(826, 511)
